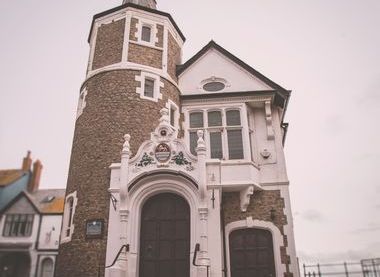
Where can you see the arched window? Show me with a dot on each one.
(47, 268)
(68, 217)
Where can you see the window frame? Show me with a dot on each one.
(11, 223)
(67, 228)
(223, 129)
(144, 25)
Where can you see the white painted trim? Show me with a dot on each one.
(159, 19)
(143, 43)
(92, 47)
(169, 105)
(81, 102)
(157, 86)
(43, 258)
(165, 50)
(152, 24)
(223, 108)
(278, 240)
(65, 219)
(131, 66)
(147, 188)
(127, 30)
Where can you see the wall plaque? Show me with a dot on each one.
(94, 228)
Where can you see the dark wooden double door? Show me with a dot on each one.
(165, 237)
(251, 253)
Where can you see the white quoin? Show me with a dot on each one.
(120, 268)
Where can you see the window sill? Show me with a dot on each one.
(147, 44)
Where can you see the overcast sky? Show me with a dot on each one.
(326, 52)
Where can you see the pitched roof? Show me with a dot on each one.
(48, 201)
(44, 201)
(9, 176)
(282, 92)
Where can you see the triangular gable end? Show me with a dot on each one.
(21, 204)
(213, 62)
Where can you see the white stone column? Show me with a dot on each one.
(203, 258)
(120, 268)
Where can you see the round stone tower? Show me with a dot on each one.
(131, 76)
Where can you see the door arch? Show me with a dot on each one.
(165, 237)
(251, 253)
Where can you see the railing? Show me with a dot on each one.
(365, 268)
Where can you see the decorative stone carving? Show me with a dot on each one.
(265, 154)
(145, 160)
(245, 198)
(268, 117)
(179, 159)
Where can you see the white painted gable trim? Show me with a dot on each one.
(194, 84)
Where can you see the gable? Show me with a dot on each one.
(21, 206)
(213, 65)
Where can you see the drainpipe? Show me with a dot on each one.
(223, 236)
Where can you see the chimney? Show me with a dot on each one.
(27, 162)
(34, 181)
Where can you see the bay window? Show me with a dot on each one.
(222, 131)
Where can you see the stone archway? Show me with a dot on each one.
(165, 237)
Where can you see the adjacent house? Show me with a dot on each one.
(30, 222)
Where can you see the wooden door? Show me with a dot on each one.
(251, 253)
(165, 237)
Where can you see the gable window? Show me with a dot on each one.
(223, 133)
(149, 87)
(146, 32)
(18, 225)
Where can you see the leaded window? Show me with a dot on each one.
(18, 225)
(222, 133)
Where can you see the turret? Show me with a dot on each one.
(146, 3)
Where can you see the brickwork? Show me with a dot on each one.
(174, 57)
(262, 202)
(133, 29)
(113, 109)
(145, 55)
(160, 35)
(109, 44)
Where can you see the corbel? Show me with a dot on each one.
(245, 198)
(268, 119)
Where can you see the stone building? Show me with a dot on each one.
(177, 168)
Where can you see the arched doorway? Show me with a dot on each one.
(47, 268)
(165, 237)
(251, 253)
(15, 265)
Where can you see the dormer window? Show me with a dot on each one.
(146, 33)
(149, 87)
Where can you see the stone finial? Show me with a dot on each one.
(164, 116)
(126, 145)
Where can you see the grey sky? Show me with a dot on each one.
(327, 52)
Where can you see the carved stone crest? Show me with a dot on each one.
(162, 152)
